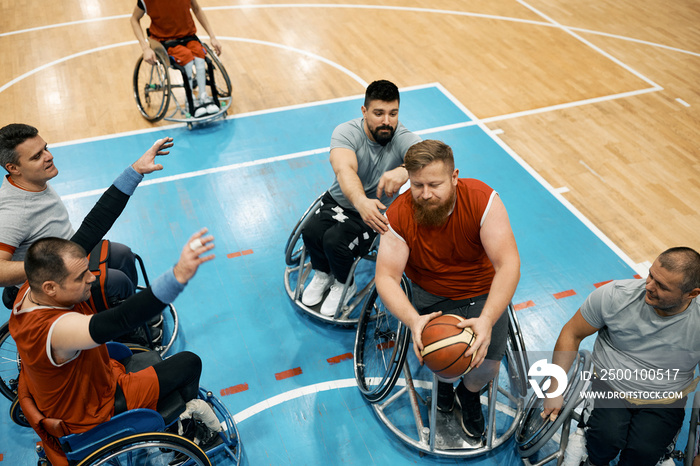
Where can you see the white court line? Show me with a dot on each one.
(589, 44)
(374, 7)
(29, 73)
(639, 268)
(334, 385)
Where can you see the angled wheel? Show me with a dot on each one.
(292, 251)
(221, 79)
(381, 344)
(533, 431)
(17, 415)
(516, 354)
(9, 363)
(152, 88)
(692, 445)
(149, 449)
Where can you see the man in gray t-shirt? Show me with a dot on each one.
(366, 156)
(647, 347)
(31, 210)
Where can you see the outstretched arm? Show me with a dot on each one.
(391, 262)
(202, 18)
(112, 203)
(74, 331)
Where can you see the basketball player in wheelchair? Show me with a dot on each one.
(173, 27)
(474, 277)
(30, 209)
(66, 367)
(646, 348)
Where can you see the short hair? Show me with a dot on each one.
(423, 153)
(685, 261)
(383, 90)
(12, 136)
(45, 260)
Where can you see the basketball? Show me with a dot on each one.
(444, 345)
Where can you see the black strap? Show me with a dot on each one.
(451, 304)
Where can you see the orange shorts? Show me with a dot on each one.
(140, 388)
(185, 54)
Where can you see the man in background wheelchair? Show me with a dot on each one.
(646, 349)
(30, 209)
(366, 156)
(66, 367)
(172, 25)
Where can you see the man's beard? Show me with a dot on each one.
(429, 214)
(383, 138)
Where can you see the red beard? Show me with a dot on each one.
(431, 214)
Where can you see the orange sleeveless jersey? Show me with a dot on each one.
(80, 391)
(170, 19)
(448, 261)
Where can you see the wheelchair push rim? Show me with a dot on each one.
(381, 345)
(533, 432)
(9, 363)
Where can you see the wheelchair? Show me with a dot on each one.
(10, 363)
(161, 94)
(540, 441)
(408, 405)
(298, 270)
(138, 436)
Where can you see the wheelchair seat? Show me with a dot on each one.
(297, 274)
(155, 87)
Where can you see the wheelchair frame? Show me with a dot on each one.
(298, 270)
(150, 81)
(377, 374)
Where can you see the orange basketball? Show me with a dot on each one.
(444, 345)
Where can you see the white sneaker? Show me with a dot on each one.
(330, 305)
(200, 111)
(209, 106)
(314, 292)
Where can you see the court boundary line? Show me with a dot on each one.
(639, 268)
(384, 7)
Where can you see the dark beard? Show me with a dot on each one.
(433, 215)
(381, 138)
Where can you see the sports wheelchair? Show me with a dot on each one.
(135, 437)
(155, 87)
(408, 405)
(10, 363)
(298, 271)
(541, 441)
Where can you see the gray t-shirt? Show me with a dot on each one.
(372, 159)
(634, 341)
(26, 216)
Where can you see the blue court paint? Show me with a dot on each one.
(235, 313)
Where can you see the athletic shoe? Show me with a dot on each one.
(200, 111)
(445, 397)
(313, 294)
(211, 107)
(472, 418)
(330, 305)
